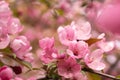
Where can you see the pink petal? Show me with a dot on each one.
(4, 42)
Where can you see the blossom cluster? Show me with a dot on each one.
(77, 53)
(11, 43)
(74, 52)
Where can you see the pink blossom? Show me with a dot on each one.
(49, 53)
(6, 73)
(92, 9)
(20, 46)
(5, 12)
(73, 32)
(115, 1)
(106, 46)
(14, 26)
(66, 35)
(93, 60)
(3, 29)
(46, 43)
(4, 37)
(78, 49)
(64, 5)
(82, 30)
(68, 68)
(28, 57)
(4, 41)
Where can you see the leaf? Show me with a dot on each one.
(92, 76)
(92, 41)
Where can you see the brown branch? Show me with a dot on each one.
(100, 73)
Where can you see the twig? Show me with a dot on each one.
(100, 73)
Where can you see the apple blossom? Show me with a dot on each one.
(78, 49)
(66, 35)
(46, 43)
(106, 46)
(20, 46)
(14, 26)
(74, 32)
(82, 30)
(4, 41)
(93, 60)
(75, 58)
(4, 37)
(28, 57)
(5, 12)
(68, 68)
(49, 53)
(92, 9)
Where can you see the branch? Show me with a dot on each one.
(100, 73)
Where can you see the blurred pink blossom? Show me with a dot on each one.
(46, 43)
(92, 9)
(14, 26)
(107, 17)
(5, 12)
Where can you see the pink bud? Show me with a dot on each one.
(6, 73)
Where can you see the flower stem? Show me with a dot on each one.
(100, 73)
